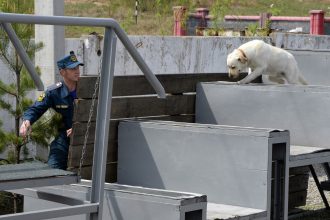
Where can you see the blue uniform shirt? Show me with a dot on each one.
(57, 97)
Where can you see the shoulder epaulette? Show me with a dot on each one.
(54, 86)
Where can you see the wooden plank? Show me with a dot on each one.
(79, 131)
(298, 183)
(110, 175)
(298, 170)
(79, 128)
(294, 170)
(76, 151)
(297, 199)
(139, 106)
(77, 140)
(82, 109)
(138, 84)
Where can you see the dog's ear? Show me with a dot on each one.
(242, 57)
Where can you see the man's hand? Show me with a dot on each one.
(69, 132)
(25, 127)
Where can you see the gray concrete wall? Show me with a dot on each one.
(167, 55)
(311, 52)
(171, 55)
(52, 37)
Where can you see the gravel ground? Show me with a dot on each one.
(314, 205)
(313, 195)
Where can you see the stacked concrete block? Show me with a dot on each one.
(303, 110)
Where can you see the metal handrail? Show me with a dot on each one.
(83, 21)
(112, 29)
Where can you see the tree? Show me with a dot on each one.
(16, 91)
(20, 86)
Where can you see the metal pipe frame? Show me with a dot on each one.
(112, 28)
(96, 22)
(54, 213)
(102, 120)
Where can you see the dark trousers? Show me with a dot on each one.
(58, 153)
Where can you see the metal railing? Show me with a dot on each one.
(112, 29)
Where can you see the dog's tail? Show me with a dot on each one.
(302, 80)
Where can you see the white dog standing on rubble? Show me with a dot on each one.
(262, 58)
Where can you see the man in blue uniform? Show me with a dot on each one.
(60, 97)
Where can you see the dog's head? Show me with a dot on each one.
(236, 62)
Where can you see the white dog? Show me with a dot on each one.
(262, 58)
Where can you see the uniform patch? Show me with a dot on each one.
(41, 97)
(55, 86)
(62, 106)
(73, 58)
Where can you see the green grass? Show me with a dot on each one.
(280, 7)
(156, 19)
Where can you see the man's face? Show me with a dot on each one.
(71, 74)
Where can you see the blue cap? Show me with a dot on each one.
(69, 62)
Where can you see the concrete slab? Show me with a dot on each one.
(34, 174)
(221, 211)
(231, 165)
(121, 202)
(300, 109)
